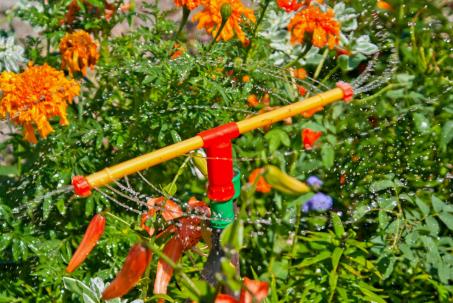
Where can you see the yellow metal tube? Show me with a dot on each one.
(289, 110)
(110, 174)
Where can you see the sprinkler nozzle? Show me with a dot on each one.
(348, 90)
(81, 186)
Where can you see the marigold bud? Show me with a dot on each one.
(225, 11)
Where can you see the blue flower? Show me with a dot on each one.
(314, 182)
(319, 202)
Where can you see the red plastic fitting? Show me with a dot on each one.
(348, 90)
(219, 150)
(81, 186)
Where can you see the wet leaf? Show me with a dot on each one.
(316, 259)
(381, 185)
(422, 206)
(328, 155)
(337, 225)
(447, 218)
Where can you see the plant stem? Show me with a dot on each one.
(255, 30)
(217, 35)
(296, 232)
(332, 71)
(179, 172)
(321, 64)
(379, 93)
(184, 19)
(300, 56)
(117, 218)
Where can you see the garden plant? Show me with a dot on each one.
(226, 151)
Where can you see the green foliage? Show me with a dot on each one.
(385, 159)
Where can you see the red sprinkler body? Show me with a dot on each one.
(219, 150)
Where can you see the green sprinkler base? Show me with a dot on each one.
(222, 213)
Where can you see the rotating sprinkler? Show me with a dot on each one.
(223, 183)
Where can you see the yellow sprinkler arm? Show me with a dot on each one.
(83, 185)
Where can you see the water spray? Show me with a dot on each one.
(223, 183)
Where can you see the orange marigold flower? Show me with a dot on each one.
(34, 96)
(256, 178)
(253, 101)
(289, 5)
(324, 28)
(190, 4)
(300, 73)
(78, 51)
(210, 18)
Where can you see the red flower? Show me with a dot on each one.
(133, 268)
(309, 137)
(302, 91)
(252, 291)
(289, 5)
(93, 233)
(256, 178)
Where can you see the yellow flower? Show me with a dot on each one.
(324, 28)
(190, 4)
(34, 96)
(78, 51)
(210, 18)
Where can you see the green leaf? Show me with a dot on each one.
(9, 170)
(444, 272)
(438, 205)
(16, 250)
(447, 134)
(61, 206)
(333, 280)
(5, 241)
(79, 288)
(389, 270)
(447, 218)
(276, 137)
(337, 225)
(421, 123)
(46, 208)
(328, 155)
(170, 189)
(316, 259)
(280, 269)
(274, 297)
(372, 297)
(88, 299)
(233, 236)
(343, 62)
(89, 206)
(381, 185)
(336, 256)
(432, 225)
(422, 205)
(96, 3)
